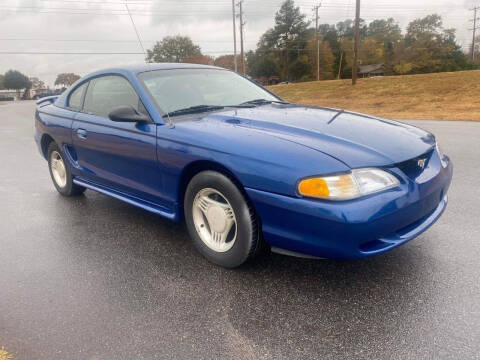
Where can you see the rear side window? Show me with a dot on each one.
(76, 97)
(107, 93)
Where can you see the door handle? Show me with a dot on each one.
(82, 133)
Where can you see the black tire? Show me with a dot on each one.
(69, 189)
(248, 239)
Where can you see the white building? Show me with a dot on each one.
(9, 94)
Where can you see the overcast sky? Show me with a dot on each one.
(104, 26)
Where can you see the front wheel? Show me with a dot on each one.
(222, 225)
(60, 173)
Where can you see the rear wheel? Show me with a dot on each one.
(60, 173)
(221, 223)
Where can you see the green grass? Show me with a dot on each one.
(443, 96)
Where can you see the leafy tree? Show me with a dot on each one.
(346, 29)
(289, 23)
(37, 83)
(346, 46)
(453, 58)
(300, 68)
(1, 82)
(372, 52)
(427, 28)
(265, 66)
(199, 59)
(403, 68)
(66, 79)
(430, 48)
(329, 33)
(426, 47)
(288, 36)
(173, 49)
(15, 80)
(227, 61)
(477, 50)
(387, 32)
(326, 58)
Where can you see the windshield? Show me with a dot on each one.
(178, 89)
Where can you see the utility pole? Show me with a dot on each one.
(475, 18)
(356, 44)
(241, 36)
(234, 37)
(317, 39)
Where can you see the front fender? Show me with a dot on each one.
(274, 166)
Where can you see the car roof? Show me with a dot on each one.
(129, 71)
(139, 68)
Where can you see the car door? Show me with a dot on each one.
(60, 119)
(116, 155)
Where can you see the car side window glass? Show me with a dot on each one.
(109, 92)
(76, 97)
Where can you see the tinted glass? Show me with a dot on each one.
(75, 100)
(107, 93)
(182, 88)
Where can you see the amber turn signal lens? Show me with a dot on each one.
(314, 187)
(357, 183)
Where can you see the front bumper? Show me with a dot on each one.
(359, 228)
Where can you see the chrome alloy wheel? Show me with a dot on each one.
(214, 220)
(59, 171)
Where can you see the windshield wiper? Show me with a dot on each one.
(263, 102)
(203, 108)
(194, 109)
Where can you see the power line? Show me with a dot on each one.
(135, 28)
(67, 53)
(120, 12)
(141, 53)
(131, 12)
(202, 4)
(259, 3)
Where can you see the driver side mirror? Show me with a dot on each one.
(127, 113)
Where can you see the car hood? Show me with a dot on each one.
(356, 140)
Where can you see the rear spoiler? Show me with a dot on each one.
(47, 99)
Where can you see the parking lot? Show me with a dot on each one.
(95, 278)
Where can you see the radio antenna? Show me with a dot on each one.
(170, 122)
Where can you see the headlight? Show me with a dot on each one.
(441, 155)
(359, 182)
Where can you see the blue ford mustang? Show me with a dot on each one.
(243, 168)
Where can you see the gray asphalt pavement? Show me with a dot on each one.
(95, 278)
